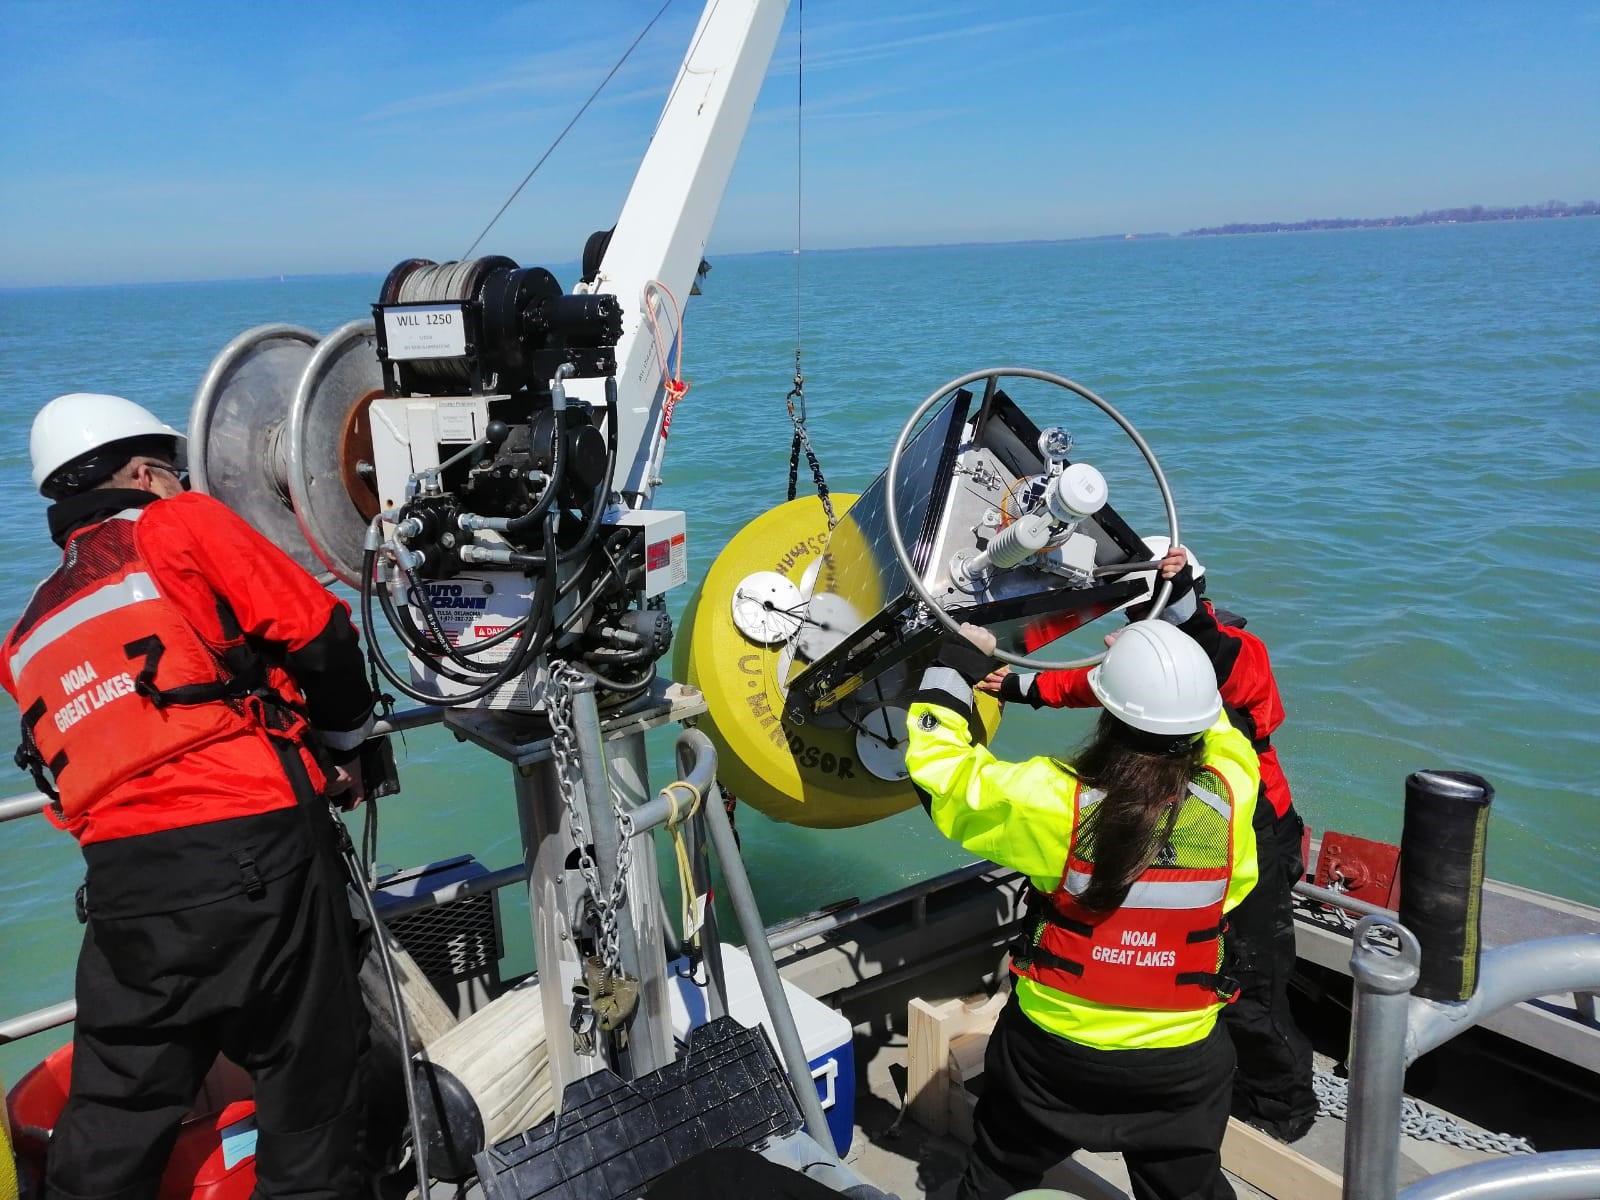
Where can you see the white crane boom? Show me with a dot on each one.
(661, 234)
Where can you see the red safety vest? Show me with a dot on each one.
(112, 680)
(1161, 948)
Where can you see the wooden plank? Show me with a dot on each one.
(930, 1028)
(1274, 1168)
(927, 1061)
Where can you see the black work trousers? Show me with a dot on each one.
(1272, 1086)
(264, 973)
(1045, 1097)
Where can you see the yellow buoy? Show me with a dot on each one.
(9, 1189)
(808, 774)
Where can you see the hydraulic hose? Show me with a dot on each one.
(602, 491)
(614, 571)
(546, 595)
(514, 528)
(375, 653)
(419, 1145)
(411, 639)
(514, 664)
(519, 660)
(597, 510)
(558, 457)
(618, 685)
(462, 658)
(597, 507)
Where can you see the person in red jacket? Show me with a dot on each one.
(189, 696)
(1272, 1085)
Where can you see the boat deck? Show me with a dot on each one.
(871, 969)
(893, 1152)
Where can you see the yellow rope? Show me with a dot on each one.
(690, 919)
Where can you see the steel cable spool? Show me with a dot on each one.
(328, 447)
(237, 433)
(422, 281)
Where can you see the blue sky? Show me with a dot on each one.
(150, 141)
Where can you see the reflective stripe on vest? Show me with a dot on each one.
(1160, 948)
(90, 657)
(1160, 893)
(131, 590)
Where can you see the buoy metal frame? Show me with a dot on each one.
(992, 376)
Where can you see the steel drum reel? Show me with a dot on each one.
(329, 447)
(278, 432)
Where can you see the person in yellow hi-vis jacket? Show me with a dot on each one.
(1135, 850)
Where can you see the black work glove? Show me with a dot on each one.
(1021, 687)
(964, 658)
(1183, 602)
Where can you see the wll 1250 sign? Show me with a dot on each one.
(425, 331)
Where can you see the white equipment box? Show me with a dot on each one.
(825, 1035)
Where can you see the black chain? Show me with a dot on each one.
(802, 441)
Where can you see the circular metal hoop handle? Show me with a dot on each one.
(897, 539)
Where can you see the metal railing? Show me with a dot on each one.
(28, 804)
(648, 816)
(1390, 1028)
(14, 808)
(1559, 1175)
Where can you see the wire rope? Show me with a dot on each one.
(795, 401)
(672, 380)
(799, 175)
(552, 148)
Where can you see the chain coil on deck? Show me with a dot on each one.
(1424, 1124)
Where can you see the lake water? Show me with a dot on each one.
(1382, 443)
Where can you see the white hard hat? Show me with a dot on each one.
(1158, 544)
(1156, 678)
(75, 425)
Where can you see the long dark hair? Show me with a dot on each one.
(1143, 776)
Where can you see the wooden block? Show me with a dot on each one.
(960, 1108)
(966, 1057)
(930, 1027)
(1276, 1169)
(927, 1061)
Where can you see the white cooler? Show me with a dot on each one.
(825, 1035)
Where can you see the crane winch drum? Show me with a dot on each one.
(441, 428)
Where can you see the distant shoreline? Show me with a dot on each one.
(1475, 214)
(1551, 210)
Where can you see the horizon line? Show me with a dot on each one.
(1553, 210)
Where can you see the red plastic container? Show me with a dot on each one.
(213, 1159)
